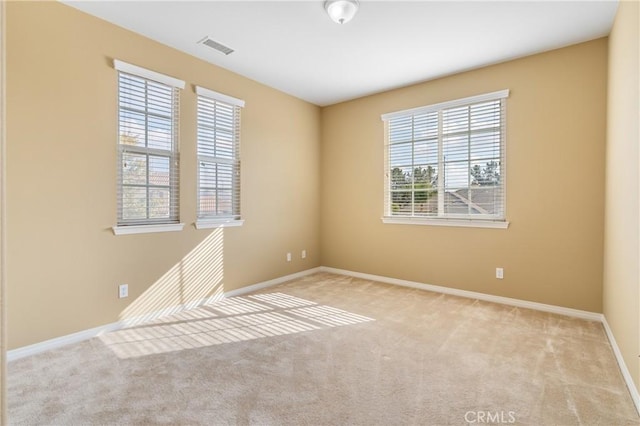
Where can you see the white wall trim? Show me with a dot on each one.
(148, 74)
(217, 96)
(270, 283)
(58, 342)
(147, 229)
(465, 223)
(220, 223)
(635, 396)
(576, 313)
(93, 332)
(170, 310)
(500, 94)
(80, 336)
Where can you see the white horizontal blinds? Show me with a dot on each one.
(218, 156)
(148, 161)
(447, 162)
(413, 164)
(472, 150)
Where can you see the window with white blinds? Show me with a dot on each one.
(446, 162)
(148, 156)
(218, 159)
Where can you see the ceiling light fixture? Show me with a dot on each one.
(341, 11)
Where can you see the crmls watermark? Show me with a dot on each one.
(495, 417)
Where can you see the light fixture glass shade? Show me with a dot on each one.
(341, 11)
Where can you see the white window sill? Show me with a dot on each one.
(147, 229)
(470, 223)
(218, 223)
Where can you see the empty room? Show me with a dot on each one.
(320, 212)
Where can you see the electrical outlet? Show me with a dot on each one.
(499, 273)
(123, 291)
(288, 257)
(303, 254)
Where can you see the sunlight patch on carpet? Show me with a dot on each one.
(231, 320)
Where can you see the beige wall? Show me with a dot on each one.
(65, 263)
(3, 251)
(552, 252)
(622, 226)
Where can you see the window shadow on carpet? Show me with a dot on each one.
(231, 320)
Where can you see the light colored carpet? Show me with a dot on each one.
(332, 350)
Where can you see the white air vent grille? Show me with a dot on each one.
(217, 46)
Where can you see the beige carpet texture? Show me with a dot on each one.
(331, 350)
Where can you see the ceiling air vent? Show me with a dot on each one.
(217, 46)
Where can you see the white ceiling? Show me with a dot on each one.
(293, 46)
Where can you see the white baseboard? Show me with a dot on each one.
(270, 283)
(635, 396)
(576, 313)
(214, 298)
(80, 336)
(93, 332)
(47, 345)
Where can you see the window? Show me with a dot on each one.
(445, 163)
(148, 159)
(218, 159)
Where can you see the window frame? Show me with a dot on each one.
(215, 99)
(148, 224)
(443, 219)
